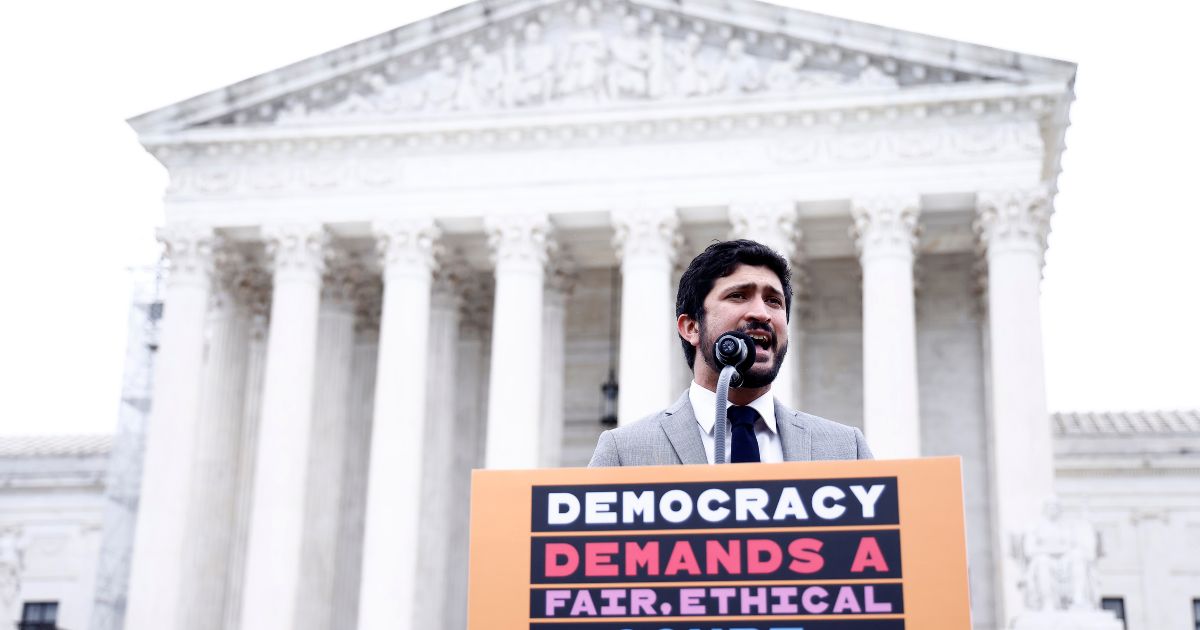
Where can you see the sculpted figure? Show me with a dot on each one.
(738, 72)
(656, 63)
(293, 110)
(872, 76)
(1059, 560)
(690, 78)
(534, 67)
(627, 72)
(482, 80)
(583, 59)
(783, 76)
(441, 86)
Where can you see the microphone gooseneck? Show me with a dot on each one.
(734, 352)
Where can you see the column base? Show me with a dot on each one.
(1067, 620)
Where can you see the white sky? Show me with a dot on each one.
(79, 198)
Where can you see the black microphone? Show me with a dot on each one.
(735, 348)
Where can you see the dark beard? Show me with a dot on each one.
(757, 376)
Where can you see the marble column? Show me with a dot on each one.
(154, 588)
(217, 447)
(256, 364)
(1012, 227)
(326, 458)
(646, 241)
(520, 246)
(470, 413)
(387, 598)
(441, 432)
(559, 281)
(274, 551)
(357, 460)
(773, 223)
(885, 233)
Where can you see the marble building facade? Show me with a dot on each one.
(422, 253)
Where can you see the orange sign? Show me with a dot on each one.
(860, 545)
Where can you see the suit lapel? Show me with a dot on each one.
(681, 428)
(797, 443)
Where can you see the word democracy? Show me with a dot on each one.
(713, 505)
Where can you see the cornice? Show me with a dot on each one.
(949, 103)
(377, 161)
(483, 20)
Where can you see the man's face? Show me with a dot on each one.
(750, 300)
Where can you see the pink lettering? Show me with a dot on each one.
(641, 601)
(689, 601)
(763, 556)
(556, 599)
(612, 601)
(846, 601)
(561, 559)
(597, 559)
(873, 606)
(813, 600)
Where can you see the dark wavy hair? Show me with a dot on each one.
(717, 261)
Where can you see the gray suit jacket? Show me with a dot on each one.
(672, 436)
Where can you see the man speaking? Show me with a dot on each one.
(732, 286)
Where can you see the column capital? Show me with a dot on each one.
(1014, 219)
(561, 275)
(885, 225)
(189, 250)
(368, 304)
(520, 239)
(344, 272)
(296, 247)
(448, 279)
(408, 243)
(772, 223)
(646, 231)
(240, 282)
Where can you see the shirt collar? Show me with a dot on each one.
(704, 405)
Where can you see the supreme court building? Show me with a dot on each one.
(425, 252)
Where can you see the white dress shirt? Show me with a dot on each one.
(704, 404)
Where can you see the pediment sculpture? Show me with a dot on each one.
(577, 57)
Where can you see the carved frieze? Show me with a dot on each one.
(576, 55)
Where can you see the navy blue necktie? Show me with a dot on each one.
(741, 430)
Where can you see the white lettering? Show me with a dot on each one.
(825, 502)
(790, 505)
(667, 506)
(596, 506)
(868, 498)
(563, 508)
(751, 501)
(707, 499)
(634, 504)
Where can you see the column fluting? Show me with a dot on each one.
(646, 240)
(885, 233)
(154, 587)
(274, 550)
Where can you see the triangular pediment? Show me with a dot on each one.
(528, 56)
